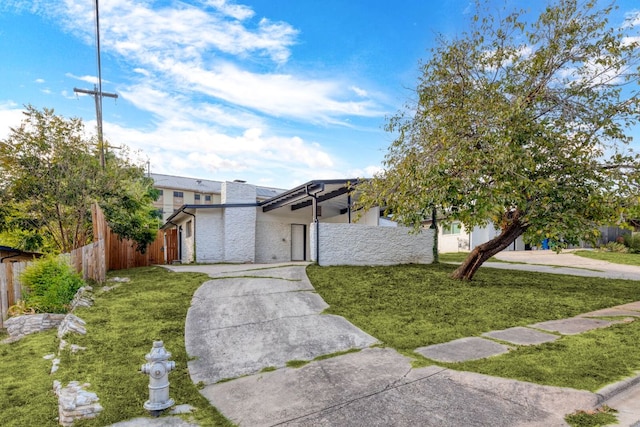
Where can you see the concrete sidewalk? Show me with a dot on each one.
(547, 261)
(249, 321)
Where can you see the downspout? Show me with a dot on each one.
(195, 258)
(315, 218)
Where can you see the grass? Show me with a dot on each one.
(26, 396)
(121, 328)
(613, 257)
(407, 307)
(453, 256)
(300, 363)
(587, 361)
(605, 416)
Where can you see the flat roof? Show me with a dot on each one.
(332, 191)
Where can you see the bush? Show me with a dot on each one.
(632, 241)
(615, 247)
(49, 285)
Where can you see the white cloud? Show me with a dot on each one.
(632, 19)
(236, 11)
(213, 78)
(10, 117)
(366, 172)
(358, 91)
(276, 94)
(200, 51)
(175, 150)
(88, 79)
(39, 81)
(142, 28)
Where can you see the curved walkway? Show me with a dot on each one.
(249, 321)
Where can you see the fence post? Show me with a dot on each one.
(4, 294)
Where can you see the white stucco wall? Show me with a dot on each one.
(273, 242)
(453, 242)
(370, 217)
(355, 244)
(209, 235)
(237, 192)
(239, 234)
(483, 235)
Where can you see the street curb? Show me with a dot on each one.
(608, 392)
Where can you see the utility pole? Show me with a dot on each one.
(97, 93)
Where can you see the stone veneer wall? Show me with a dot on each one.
(354, 244)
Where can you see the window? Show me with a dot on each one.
(453, 228)
(197, 197)
(189, 231)
(207, 198)
(160, 192)
(178, 194)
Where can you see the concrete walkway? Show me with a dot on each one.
(566, 262)
(249, 321)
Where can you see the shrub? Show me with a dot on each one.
(49, 285)
(632, 241)
(615, 247)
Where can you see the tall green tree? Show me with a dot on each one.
(523, 124)
(52, 175)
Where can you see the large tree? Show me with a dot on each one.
(50, 177)
(522, 124)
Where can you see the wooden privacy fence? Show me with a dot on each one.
(107, 252)
(121, 254)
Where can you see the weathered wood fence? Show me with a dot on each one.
(107, 252)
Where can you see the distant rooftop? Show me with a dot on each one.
(199, 185)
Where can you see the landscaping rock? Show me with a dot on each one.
(75, 403)
(71, 323)
(83, 298)
(54, 366)
(19, 326)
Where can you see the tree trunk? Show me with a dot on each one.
(483, 252)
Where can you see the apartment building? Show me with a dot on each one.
(176, 191)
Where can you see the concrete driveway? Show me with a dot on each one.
(246, 323)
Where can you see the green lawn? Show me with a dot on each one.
(614, 257)
(121, 327)
(407, 307)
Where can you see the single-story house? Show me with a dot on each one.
(9, 254)
(311, 222)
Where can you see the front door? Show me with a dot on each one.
(298, 242)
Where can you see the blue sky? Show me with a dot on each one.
(275, 92)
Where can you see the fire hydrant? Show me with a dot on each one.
(158, 367)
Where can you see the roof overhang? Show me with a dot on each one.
(329, 191)
(334, 193)
(189, 211)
